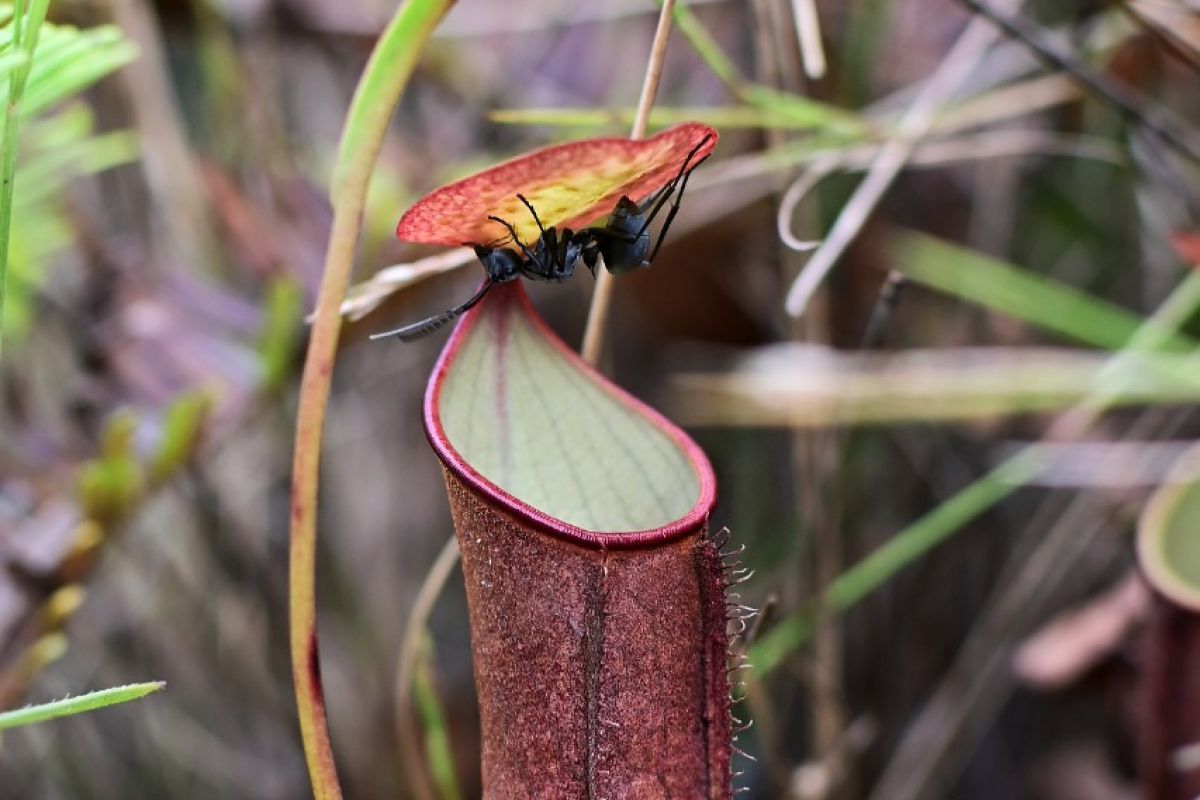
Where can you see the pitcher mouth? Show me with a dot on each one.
(502, 297)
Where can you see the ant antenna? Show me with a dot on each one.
(528, 205)
(513, 233)
(427, 326)
(555, 255)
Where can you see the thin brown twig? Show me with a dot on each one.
(410, 650)
(1128, 102)
(602, 296)
(1179, 49)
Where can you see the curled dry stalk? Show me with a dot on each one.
(602, 295)
(896, 152)
(378, 91)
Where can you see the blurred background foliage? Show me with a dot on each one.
(936, 471)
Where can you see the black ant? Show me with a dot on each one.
(623, 242)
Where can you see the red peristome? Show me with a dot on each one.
(569, 185)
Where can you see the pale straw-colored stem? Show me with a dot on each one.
(808, 32)
(602, 296)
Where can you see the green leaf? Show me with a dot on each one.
(77, 705)
(802, 112)
(110, 484)
(281, 332)
(45, 64)
(70, 60)
(22, 38)
(9, 61)
(517, 407)
(182, 425)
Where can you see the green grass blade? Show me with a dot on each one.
(77, 705)
(23, 33)
(9, 61)
(661, 117)
(1157, 332)
(71, 61)
(1022, 294)
(706, 47)
(801, 112)
(67, 60)
(280, 336)
(901, 550)
(438, 751)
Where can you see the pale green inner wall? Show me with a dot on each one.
(530, 422)
(1181, 539)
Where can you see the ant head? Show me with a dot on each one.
(499, 263)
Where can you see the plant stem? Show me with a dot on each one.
(1128, 102)
(419, 781)
(378, 91)
(602, 296)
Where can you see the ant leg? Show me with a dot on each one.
(529, 205)
(683, 175)
(656, 198)
(513, 233)
(662, 234)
